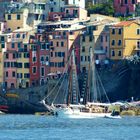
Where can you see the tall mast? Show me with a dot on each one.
(75, 86)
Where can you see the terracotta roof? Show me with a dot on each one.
(125, 23)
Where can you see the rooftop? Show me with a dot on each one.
(125, 23)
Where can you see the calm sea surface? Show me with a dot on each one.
(29, 127)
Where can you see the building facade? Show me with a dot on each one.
(124, 40)
(125, 7)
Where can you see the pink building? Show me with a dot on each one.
(10, 64)
(125, 7)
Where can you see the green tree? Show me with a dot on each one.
(104, 8)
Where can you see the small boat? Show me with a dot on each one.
(1, 113)
(113, 117)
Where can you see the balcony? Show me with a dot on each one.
(16, 39)
(59, 37)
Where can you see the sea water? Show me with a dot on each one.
(31, 127)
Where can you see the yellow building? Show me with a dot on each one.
(23, 74)
(86, 43)
(23, 69)
(124, 40)
(16, 19)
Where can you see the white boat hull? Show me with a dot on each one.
(70, 113)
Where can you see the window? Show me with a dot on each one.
(42, 71)
(13, 74)
(26, 75)
(63, 54)
(26, 55)
(2, 38)
(71, 33)
(34, 70)
(51, 9)
(14, 55)
(47, 46)
(13, 45)
(59, 54)
(89, 58)
(138, 31)
(42, 59)
(106, 48)
(106, 38)
(26, 65)
(33, 48)
(19, 45)
(13, 64)
(3, 45)
(90, 38)
(120, 31)
(83, 49)
(6, 73)
(56, 54)
(19, 75)
(9, 17)
(62, 44)
(43, 47)
(51, 43)
(112, 53)
(57, 44)
(34, 59)
(138, 53)
(25, 47)
(47, 58)
(51, 64)
(19, 65)
(7, 55)
(85, 58)
(64, 33)
(19, 55)
(8, 64)
(17, 35)
(119, 42)
(125, 2)
(67, 11)
(18, 17)
(23, 36)
(51, 54)
(83, 39)
(113, 31)
(101, 38)
(138, 44)
(133, 1)
(113, 42)
(119, 53)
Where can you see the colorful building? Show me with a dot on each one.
(86, 45)
(18, 16)
(79, 3)
(124, 40)
(125, 7)
(73, 11)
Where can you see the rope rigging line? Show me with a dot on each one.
(59, 89)
(103, 87)
(64, 71)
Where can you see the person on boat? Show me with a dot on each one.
(113, 112)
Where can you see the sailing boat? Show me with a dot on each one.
(91, 109)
